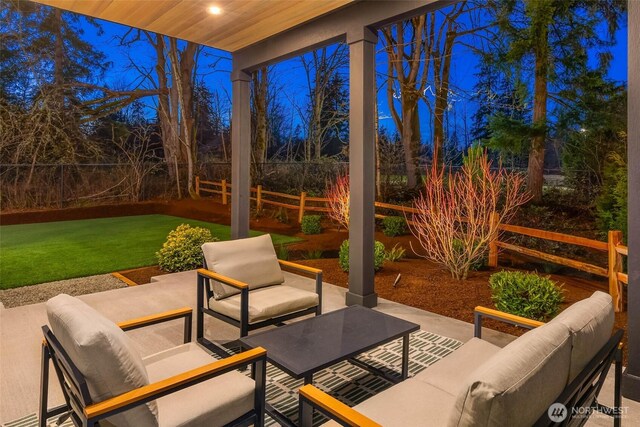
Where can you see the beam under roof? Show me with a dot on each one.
(241, 22)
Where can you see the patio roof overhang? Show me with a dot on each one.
(259, 33)
(240, 23)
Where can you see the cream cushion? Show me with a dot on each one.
(591, 323)
(267, 303)
(252, 261)
(410, 403)
(104, 355)
(214, 402)
(516, 386)
(450, 372)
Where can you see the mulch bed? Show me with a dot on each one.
(143, 275)
(426, 286)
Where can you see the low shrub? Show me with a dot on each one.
(182, 250)
(311, 224)
(393, 226)
(525, 294)
(379, 254)
(395, 254)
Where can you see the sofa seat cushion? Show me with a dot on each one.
(103, 353)
(214, 402)
(267, 303)
(517, 385)
(409, 403)
(591, 323)
(450, 372)
(252, 261)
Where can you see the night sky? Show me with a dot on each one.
(289, 74)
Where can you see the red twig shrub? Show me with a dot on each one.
(338, 195)
(459, 213)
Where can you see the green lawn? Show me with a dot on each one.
(38, 253)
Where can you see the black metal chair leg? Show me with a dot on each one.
(44, 386)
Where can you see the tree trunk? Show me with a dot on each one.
(442, 70)
(535, 169)
(182, 65)
(408, 124)
(260, 85)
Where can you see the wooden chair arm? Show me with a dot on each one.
(479, 312)
(155, 318)
(222, 279)
(172, 384)
(333, 408)
(299, 267)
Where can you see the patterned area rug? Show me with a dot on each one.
(344, 381)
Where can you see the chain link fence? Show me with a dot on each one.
(26, 186)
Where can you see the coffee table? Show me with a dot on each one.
(305, 347)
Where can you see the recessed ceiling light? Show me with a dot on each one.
(214, 10)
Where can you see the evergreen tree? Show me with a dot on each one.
(552, 40)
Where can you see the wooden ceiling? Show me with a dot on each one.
(241, 23)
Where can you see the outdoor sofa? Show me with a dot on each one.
(105, 381)
(242, 283)
(564, 361)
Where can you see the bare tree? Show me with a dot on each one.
(136, 150)
(460, 213)
(419, 51)
(175, 70)
(321, 68)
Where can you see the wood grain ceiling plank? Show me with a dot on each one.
(278, 23)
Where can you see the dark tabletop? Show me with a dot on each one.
(307, 346)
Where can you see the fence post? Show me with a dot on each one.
(614, 238)
(303, 198)
(198, 186)
(493, 246)
(224, 191)
(259, 197)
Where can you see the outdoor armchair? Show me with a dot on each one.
(242, 283)
(104, 379)
(563, 362)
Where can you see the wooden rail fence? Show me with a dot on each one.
(301, 203)
(613, 246)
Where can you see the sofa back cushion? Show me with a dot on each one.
(516, 386)
(252, 261)
(103, 354)
(591, 323)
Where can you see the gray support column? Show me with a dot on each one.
(240, 154)
(362, 98)
(631, 376)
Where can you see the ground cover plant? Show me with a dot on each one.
(44, 252)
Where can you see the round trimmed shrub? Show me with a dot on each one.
(526, 294)
(182, 250)
(311, 224)
(379, 255)
(393, 226)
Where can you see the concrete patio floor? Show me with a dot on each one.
(21, 336)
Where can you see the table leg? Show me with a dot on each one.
(308, 379)
(405, 357)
